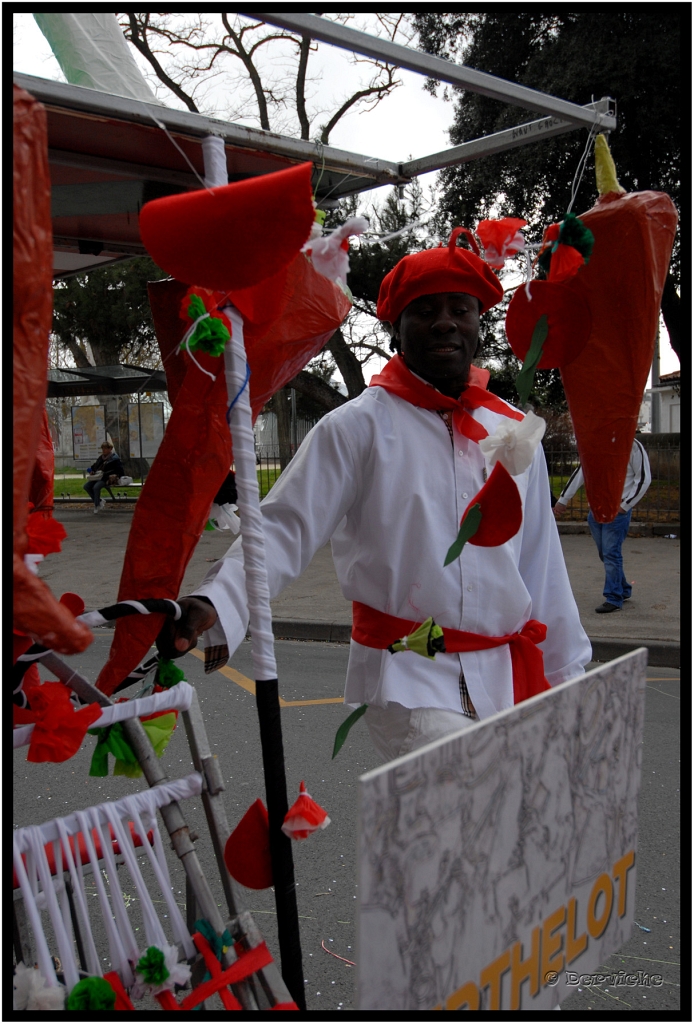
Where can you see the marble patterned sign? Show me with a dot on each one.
(494, 862)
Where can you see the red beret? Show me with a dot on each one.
(449, 269)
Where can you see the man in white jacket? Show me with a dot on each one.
(609, 537)
(386, 478)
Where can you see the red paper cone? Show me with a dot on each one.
(304, 816)
(247, 850)
(233, 236)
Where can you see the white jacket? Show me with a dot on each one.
(636, 482)
(381, 478)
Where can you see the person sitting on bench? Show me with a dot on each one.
(111, 469)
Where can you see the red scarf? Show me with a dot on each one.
(399, 380)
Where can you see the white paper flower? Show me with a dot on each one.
(31, 992)
(514, 443)
(225, 517)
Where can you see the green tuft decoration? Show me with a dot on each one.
(91, 994)
(574, 232)
(211, 334)
(152, 967)
(342, 732)
(526, 377)
(111, 740)
(426, 640)
(168, 673)
(468, 528)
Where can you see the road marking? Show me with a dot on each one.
(664, 692)
(249, 685)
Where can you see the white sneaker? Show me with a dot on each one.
(97, 509)
(102, 503)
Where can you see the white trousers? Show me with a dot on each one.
(396, 730)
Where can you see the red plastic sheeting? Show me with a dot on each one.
(195, 454)
(41, 489)
(622, 285)
(35, 610)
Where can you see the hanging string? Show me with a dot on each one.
(575, 184)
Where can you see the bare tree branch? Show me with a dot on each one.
(138, 37)
(378, 91)
(304, 49)
(250, 67)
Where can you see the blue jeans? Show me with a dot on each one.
(609, 538)
(93, 489)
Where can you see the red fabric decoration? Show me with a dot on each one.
(45, 534)
(501, 239)
(233, 236)
(247, 850)
(566, 261)
(396, 378)
(59, 729)
(41, 488)
(568, 320)
(378, 630)
(72, 601)
(34, 608)
(122, 997)
(502, 510)
(195, 454)
(304, 816)
(449, 269)
(622, 286)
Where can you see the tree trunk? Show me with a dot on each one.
(317, 389)
(670, 308)
(281, 408)
(347, 363)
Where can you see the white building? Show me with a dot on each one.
(666, 393)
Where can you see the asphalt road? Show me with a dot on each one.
(311, 679)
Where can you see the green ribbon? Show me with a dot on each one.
(342, 732)
(211, 334)
(468, 528)
(526, 377)
(426, 640)
(112, 740)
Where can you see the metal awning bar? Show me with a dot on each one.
(499, 142)
(435, 67)
(183, 122)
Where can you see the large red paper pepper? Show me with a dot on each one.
(35, 609)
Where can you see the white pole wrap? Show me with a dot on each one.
(252, 540)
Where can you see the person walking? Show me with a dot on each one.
(609, 537)
(106, 471)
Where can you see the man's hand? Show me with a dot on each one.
(175, 638)
(559, 510)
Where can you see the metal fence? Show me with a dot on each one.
(660, 504)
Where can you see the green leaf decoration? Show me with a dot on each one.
(168, 673)
(343, 731)
(152, 967)
(526, 377)
(111, 740)
(91, 994)
(468, 528)
(210, 336)
(196, 307)
(209, 526)
(426, 640)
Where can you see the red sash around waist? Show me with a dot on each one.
(376, 629)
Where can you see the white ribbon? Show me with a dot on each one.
(179, 697)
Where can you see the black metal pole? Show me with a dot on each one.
(269, 720)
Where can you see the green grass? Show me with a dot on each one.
(75, 488)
